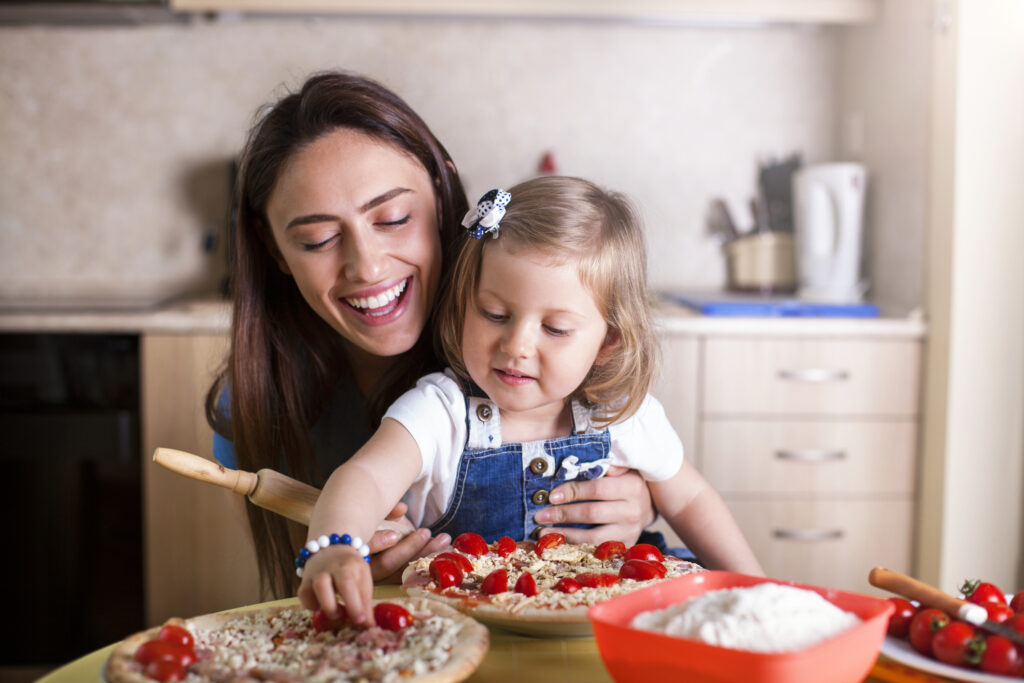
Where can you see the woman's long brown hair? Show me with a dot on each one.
(285, 361)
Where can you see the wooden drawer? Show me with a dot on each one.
(809, 456)
(811, 377)
(831, 543)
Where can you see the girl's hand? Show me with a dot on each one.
(338, 571)
(619, 503)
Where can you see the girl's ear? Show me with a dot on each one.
(608, 346)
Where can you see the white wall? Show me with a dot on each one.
(114, 139)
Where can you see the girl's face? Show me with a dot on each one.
(355, 221)
(532, 334)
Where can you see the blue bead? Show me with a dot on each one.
(346, 539)
(300, 562)
(335, 539)
(367, 558)
(304, 552)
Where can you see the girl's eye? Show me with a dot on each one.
(493, 317)
(557, 331)
(317, 245)
(395, 223)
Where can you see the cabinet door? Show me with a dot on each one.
(677, 386)
(199, 552)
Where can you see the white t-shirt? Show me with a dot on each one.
(434, 412)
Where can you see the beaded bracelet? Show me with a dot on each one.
(322, 542)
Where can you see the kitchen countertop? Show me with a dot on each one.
(212, 316)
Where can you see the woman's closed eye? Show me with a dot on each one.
(396, 223)
(313, 246)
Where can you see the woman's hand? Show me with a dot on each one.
(391, 552)
(618, 503)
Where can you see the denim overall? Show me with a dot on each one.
(499, 488)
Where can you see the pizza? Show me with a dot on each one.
(542, 588)
(414, 640)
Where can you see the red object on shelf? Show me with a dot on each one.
(547, 163)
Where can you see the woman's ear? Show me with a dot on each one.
(608, 347)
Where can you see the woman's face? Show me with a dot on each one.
(355, 221)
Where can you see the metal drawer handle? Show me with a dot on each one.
(810, 456)
(814, 375)
(809, 535)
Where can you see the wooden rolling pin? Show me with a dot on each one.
(266, 488)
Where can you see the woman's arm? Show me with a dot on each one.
(699, 515)
(618, 503)
(357, 496)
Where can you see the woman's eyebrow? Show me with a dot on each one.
(327, 218)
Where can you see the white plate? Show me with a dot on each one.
(902, 651)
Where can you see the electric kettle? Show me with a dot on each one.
(828, 217)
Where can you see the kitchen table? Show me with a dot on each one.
(510, 658)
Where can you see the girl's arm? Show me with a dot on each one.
(357, 496)
(698, 514)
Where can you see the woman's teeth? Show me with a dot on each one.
(377, 300)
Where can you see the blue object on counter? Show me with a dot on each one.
(766, 306)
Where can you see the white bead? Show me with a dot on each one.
(298, 572)
(356, 542)
(364, 550)
(323, 541)
(313, 546)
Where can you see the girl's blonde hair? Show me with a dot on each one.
(570, 219)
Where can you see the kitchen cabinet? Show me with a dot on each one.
(199, 556)
(795, 11)
(812, 442)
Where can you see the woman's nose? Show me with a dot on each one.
(363, 258)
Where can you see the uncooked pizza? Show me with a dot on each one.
(413, 640)
(540, 588)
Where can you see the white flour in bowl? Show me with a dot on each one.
(768, 617)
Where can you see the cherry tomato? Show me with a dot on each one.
(641, 570)
(495, 582)
(322, 622)
(176, 634)
(923, 627)
(644, 551)
(165, 670)
(1017, 603)
(445, 572)
(998, 613)
(1001, 656)
(594, 580)
(1016, 622)
(391, 617)
(567, 584)
(981, 593)
(505, 546)
(464, 564)
(164, 650)
(610, 549)
(899, 620)
(548, 541)
(471, 544)
(957, 643)
(526, 584)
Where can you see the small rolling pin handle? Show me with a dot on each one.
(196, 467)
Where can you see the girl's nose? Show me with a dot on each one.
(519, 341)
(363, 258)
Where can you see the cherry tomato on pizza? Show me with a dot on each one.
(981, 592)
(163, 650)
(899, 620)
(322, 622)
(641, 570)
(464, 564)
(1002, 657)
(176, 634)
(504, 546)
(391, 617)
(567, 584)
(1017, 602)
(923, 627)
(548, 541)
(495, 582)
(471, 544)
(446, 573)
(998, 612)
(610, 549)
(165, 670)
(644, 551)
(596, 580)
(958, 643)
(526, 584)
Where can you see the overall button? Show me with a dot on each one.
(484, 412)
(540, 497)
(535, 534)
(538, 465)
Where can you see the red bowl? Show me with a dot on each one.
(631, 654)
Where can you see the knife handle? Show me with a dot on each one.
(196, 467)
(911, 588)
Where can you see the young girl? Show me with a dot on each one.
(547, 330)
